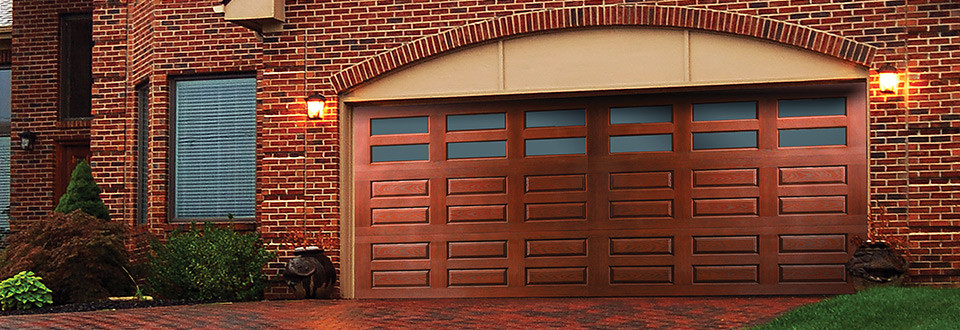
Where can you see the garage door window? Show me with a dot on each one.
(724, 140)
(481, 149)
(812, 107)
(562, 146)
(641, 115)
(641, 143)
(476, 122)
(555, 118)
(407, 125)
(813, 137)
(215, 148)
(724, 111)
(402, 152)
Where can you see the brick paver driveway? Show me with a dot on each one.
(665, 313)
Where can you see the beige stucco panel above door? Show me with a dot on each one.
(600, 59)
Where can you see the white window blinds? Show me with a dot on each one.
(5, 182)
(215, 148)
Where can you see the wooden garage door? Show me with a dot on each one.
(697, 193)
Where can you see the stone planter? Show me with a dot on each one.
(876, 263)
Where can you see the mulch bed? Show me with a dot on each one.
(98, 305)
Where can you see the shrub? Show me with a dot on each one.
(83, 193)
(211, 264)
(24, 291)
(79, 256)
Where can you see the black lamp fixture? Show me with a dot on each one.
(316, 106)
(27, 140)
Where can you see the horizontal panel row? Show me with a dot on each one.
(618, 181)
(619, 246)
(618, 210)
(618, 115)
(702, 274)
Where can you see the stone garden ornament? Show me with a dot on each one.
(312, 271)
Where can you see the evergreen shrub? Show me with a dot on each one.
(83, 193)
(208, 264)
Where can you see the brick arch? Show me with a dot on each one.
(599, 16)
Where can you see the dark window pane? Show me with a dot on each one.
(813, 107)
(724, 140)
(406, 125)
(813, 137)
(482, 149)
(724, 111)
(561, 146)
(476, 122)
(401, 152)
(76, 65)
(640, 143)
(555, 118)
(641, 115)
(143, 120)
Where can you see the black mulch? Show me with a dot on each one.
(96, 306)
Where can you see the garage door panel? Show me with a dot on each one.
(580, 201)
(722, 192)
(813, 190)
(645, 195)
(477, 213)
(813, 243)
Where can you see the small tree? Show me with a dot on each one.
(83, 193)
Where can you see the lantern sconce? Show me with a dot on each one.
(889, 79)
(316, 106)
(27, 140)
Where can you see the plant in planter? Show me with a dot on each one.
(309, 268)
(880, 259)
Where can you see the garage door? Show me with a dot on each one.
(696, 193)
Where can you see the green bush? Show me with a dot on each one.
(211, 264)
(83, 193)
(24, 291)
(80, 257)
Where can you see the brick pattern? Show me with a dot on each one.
(594, 313)
(332, 46)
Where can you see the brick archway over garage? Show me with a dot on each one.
(605, 16)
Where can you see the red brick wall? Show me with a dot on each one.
(915, 149)
(34, 102)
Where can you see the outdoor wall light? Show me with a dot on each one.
(889, 79)
(27, 140)
(316, 106)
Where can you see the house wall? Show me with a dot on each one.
(34, 105)
(914, 154)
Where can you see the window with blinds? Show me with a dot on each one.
(214, 149)
(5, 149)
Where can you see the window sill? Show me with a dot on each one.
(237, 224)
(74, 123)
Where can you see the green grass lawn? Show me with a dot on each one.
(880, 308)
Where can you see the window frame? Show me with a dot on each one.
(172, 145)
